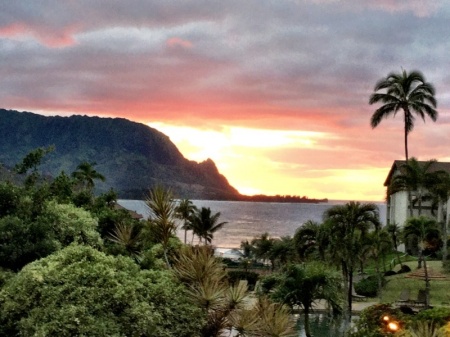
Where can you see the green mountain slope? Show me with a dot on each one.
(132, 156)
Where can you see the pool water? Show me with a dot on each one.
(322, 325)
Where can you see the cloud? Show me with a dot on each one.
(271, 65)
(176, 41)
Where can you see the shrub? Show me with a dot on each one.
(237, 275)
(372, 324)
(439, 315)
(368, 286)
(404, 269)
(80, 291)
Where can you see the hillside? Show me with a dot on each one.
(132, 156)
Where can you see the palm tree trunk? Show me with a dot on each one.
(444, 243)
(427, 282)
(350, 288)
(307, 326)
(377, 268)
(406, 134)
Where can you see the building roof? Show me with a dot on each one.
(436, 166)
(133, 214)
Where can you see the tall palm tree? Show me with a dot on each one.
(349, 224)
(423, 228)
(405, 91)
(184, 211)
(205, 224)
(86, 174)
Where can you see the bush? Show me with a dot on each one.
(404, 269)
(80, 291)
(371, 323)
(438, 315)
(368, 286)
(446, 266)
(237, 275)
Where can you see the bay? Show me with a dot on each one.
(246, 220)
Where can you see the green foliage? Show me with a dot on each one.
(22, 242)
(30, 237)
(368, 286)
(70, 224)
(5, 275)
(372, 324)
(33, 159)
(9, 198)
(82, 292)
(439, 315)
(237, 275)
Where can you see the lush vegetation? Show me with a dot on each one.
(73, 264)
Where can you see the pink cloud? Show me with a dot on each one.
(178, 42)
(61, 37)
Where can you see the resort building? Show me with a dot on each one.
(398, 210)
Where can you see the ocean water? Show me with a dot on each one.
(246, 220)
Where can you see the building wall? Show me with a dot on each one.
(398, 208)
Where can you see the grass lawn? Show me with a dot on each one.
(439, 289)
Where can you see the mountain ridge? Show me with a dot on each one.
(132, 156)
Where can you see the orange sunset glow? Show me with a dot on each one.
(275, 93)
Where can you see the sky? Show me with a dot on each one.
(275, 92)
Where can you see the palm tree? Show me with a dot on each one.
(395, 232)
(306, 239)
(441, 193)
(423, 228)
(205, 224)
(262, 247)
(415, 177)
(184, 211)
(86, 174)
(161, 203)
(349, 224)
(407, 92)
(302, 285)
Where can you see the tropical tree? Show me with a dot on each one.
(226, 306)
(424, 229)
(161, 203)
(184, 211)
(395, 232)
(311, 239)
(349, 224)
(128, 237)
(262, 247)
(283, 251)
(404, 91)
(302, 285)
(86, 175)
(31, 162)
(441, 194)
(415, 177)
(204, 224)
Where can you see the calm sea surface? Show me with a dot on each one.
(247, 220)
